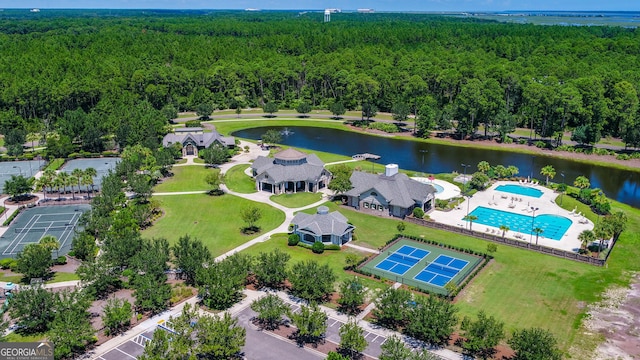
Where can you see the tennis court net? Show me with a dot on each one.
(397, 256)
(445, 268)
(42, 229)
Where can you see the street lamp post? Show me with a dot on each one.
(465, 166)
(533, 216)
(19, 169)
(562, 193)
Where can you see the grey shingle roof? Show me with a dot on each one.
(398, 190)
(322, 224)
(311, 170)
(201, 139)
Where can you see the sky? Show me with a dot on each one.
(378, 5)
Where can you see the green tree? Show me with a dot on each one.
(215, 155)
(220, 284)
(504, 229)
(537, 231)
(369, 110)
(311, 323)
(337, 109)
(189, 256)
(401, 226)
(392, 308)
(400, 111)
(33, 308)
(352, 293)
(18, 186)
(215, 179)
(484, 167)
(271, 137)
(59, 146)
(251, 215)
(76, 176)
(470, 218)
(586, 237)
(504, 123)
(219, 337)
(271, 311)
(617, 222)
(270, 108)
(341, 178)
(271, 268)
(71, 330)
(481, 336)
(117, 315)
(432, 320)
(204, 110)
(549, 172)
(84, 246)
(98, 277)
(50, 243)
(238, 111)
(311, 281)
(14, 141)
(479, 181)
(152, 293)
(332, 355)
(534, 344)
(394, 349)
(303, 108)
(34, 261)
(582, 182)
(352, 341)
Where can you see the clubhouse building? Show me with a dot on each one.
(391, 194)
(329, 228)
(193, 139)
(291, 171)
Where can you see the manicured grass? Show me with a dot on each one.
(213, 219)
(296, 200)
(238, 181)
(10, 278)
(520, 287)
(55, 164)
(187, 115)
(63, 276)
(15, 337)
(334, 258)
(198, 161)
(185, 178)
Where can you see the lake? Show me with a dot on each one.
(621, 185)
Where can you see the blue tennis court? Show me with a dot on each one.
(403, 259)
(441, 270)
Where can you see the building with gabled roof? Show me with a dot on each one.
(290, 170)
(328, 228)
(392, 193)
(193, 139)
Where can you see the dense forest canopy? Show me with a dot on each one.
(120, 70)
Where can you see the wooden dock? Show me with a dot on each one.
(366, 156)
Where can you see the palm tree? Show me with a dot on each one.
(87, 180)
(58, 182)
(504, 229)
(51, 243)
(470, 219)
(45, 181)
(581, 182)
(549, 172)
(484, 167)
(92, 173)
(586, 237)
(76, 176)
(537, 231)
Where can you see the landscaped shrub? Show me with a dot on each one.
(61, 260)
(192, 123)
(541, 144)
(332, 247)
(293, 240)
(13, 216)
(386, 127)
(418, 213)
(622, 157)
(318, 247)
(8, 263)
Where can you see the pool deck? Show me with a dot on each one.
(520, 204)
(450, 190)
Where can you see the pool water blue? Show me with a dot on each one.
(403, 259)
(520, 190)
(441, 270)
(553, 226)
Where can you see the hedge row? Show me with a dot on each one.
(13, 216)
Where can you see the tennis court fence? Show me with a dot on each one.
(43, 229)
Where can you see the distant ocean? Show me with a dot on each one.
(567, 18)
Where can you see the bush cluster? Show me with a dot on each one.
(386, 127)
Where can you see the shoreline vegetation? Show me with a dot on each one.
(229, 126)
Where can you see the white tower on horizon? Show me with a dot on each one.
(327, 15)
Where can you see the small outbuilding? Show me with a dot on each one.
(328, 228)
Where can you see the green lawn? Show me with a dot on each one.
(185, 178)
(238, 181)
(296, 200)
(11, 278)
(15, 337)
(335, 259)
(63, 276)
(213, 219)
(198, 161)
(523, 288)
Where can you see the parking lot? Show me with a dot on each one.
(130, 349)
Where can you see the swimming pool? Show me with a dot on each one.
(553, 226)
(520, 190)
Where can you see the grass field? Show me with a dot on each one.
(238, 181)
(213, 219)
(335, 259)
(185, 178)
(523, 288)
(296, 200)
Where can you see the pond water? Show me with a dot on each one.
(622, 185)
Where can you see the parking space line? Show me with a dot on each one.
(126, 353)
